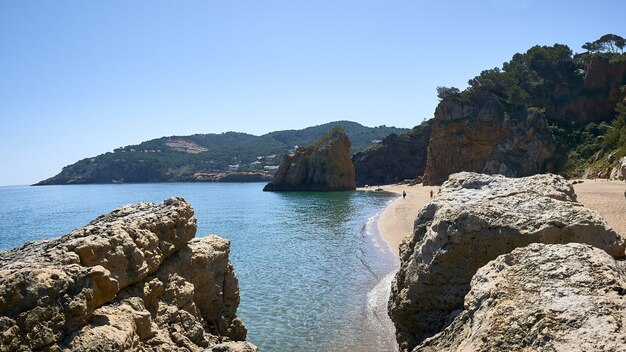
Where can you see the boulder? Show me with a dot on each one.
(555, 297)
(618, 173)
(472, 220)
(395, 158)
(323, 166)
(134, 279)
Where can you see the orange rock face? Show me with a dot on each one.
(323, 166)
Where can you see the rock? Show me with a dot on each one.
(486, 139)
(323, 166)
(618, 173)
(473, 219)
(541, 297)
(396, 157)
(134, 279)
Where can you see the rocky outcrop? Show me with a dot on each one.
(323, 166)
(486, 139)
(541, 298)
(396, 158)
(618, 173)
(132, 280)
(474, 219)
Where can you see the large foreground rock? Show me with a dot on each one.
(134, 279)
(323, 166)
(541, 298)
(474, 219)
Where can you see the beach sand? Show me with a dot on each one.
(396, 221)
(607, 198)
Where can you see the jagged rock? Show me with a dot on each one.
(134, 279)
(541, 298)
(618, 173)
(472, 220)
(323, 166)
(486, 139)
(395, 158)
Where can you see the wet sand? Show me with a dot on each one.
(396, 221)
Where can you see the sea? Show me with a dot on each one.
(314, 272)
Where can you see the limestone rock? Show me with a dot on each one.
(618, 173)
(472, 220)
(323, 166)
(541, 298)
(395, 158)
(134, 279)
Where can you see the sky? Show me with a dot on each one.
(81, 78)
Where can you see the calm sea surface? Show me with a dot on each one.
(314, 273)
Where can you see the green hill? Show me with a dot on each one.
(183, 158)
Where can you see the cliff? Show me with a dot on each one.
(323, 166)
(486, 139)
(474, 219)
(395, 158)
(544, 111)
(131, 280)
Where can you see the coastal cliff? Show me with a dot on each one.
(475, 219)
(133, 280)
(545, 110)
(323, 166)
(397, 157)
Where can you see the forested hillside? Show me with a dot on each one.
(186, 158)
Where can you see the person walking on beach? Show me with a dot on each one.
(403, 194)
(431, 193)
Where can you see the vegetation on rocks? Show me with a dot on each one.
(573, 96)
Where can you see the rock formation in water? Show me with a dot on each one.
(474, 219)
(396, 158)
(131, 280)
(323, 166)
(541, 298)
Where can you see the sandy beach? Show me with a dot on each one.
(607, 198)
(396, 221)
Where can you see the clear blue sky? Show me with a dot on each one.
(80, 78)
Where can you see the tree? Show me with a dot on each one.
(444, 93)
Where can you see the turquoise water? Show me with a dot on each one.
(313, 271)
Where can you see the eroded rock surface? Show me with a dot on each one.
(472, 220)
(134, 279)
(323, 166)
(541, 298)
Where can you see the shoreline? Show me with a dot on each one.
(396, 220)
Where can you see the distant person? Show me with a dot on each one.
(431, 193)
(403, 194)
